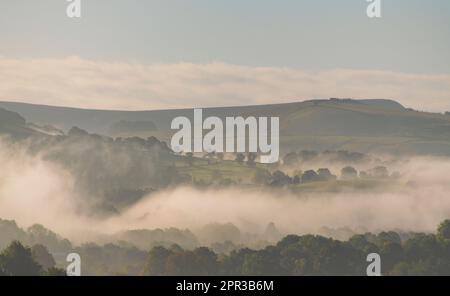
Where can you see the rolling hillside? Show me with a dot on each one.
(382, 126)
(14, 125)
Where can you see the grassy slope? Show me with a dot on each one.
(365, 126)
(200, 170)
(14, 126)
(359, 127)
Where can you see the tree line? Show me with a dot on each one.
(307, 255)
(311, 255)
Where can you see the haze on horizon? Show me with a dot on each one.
(174, 54)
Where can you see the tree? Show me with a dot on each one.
(42, 256)
(251, 159)
(360, 242)
(9, 231)
(262, 263)
(38, 234)
(206, 262)
(363, 175)
(17, 260)
(53, 271)
(388, 236)
(297, 179)
(232, 265)
(391, 254)
(280, 179)
(181, 263)
(310, 176)
(421, 246)
(156, 262)
(240, 158)
(379, 172)
(325, 175)
(349, 173)
(444, 230)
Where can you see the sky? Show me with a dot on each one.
(155, 54)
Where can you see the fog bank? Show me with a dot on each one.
(33, 190)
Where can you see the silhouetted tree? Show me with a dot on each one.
(310, 176)
(325, 175)
(444, 230)
(379, 172)
(42, 256)
(349, 173)
(53, 271)
(240, 158)
(156, 262)
(280, 179)
(251, 159)
(17, 260)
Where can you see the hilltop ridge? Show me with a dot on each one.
(377, 125)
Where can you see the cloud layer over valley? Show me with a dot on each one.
(77, 82)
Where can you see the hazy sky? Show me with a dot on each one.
(310, 37)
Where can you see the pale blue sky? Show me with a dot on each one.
(148, 54)
(413, 36)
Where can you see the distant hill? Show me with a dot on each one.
(14, 125)
(132, 126)
(382, 126)
(387, 104)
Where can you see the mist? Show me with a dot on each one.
(34, 190)
(411, 209)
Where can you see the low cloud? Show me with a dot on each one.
(35, 190)
(78, 82)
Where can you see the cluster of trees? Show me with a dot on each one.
(308, 255)
(121, 258)
(144, 238)
(176, 261)
(250, 158)
(18, 260)
(279, 178)
(33, 235)
(110, 173)
(295, 158)
(125, 252)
